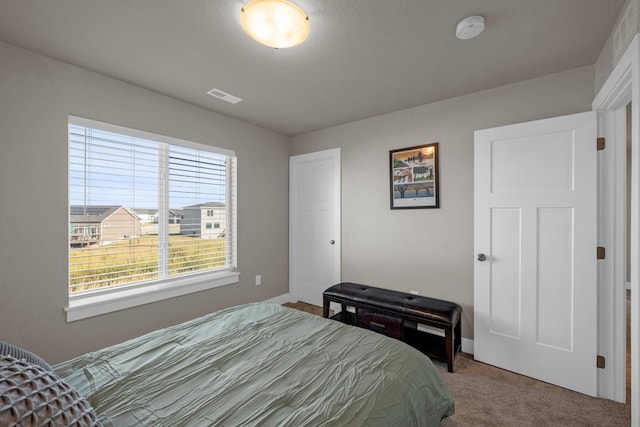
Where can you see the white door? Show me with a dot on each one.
(314, 199)
(535, 275)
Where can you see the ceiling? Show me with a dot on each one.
(363, 57)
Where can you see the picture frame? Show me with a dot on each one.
(414, 177)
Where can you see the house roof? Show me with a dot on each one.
(94, 213)
(206, 205)
(90, 214)
(145, 211)
(363, 58)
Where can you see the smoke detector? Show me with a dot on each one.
(470, 27)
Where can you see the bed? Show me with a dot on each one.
(260, 365)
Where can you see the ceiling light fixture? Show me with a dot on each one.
(275, 23)
(470, 27)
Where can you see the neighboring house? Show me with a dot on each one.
(146, 215)
(175, 216)
(90, 225)
(151, 215)
(206, 220)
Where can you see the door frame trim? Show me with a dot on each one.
(612, 228)
(622, 86)
(293, 216)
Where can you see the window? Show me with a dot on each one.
(208, 226)
(114, 254)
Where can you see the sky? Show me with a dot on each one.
(107, 168)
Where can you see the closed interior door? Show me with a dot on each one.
(314, 224)
(535, 276)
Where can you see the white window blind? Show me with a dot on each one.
(139, 205)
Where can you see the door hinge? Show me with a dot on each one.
(600, 144)
(600, 252)
(600, 362)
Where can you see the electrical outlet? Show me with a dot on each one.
(415, 292)
(258, 280)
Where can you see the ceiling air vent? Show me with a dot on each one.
(220, 94)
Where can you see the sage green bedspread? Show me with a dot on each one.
(261, 365)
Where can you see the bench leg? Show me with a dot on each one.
(325, 306)
(457, 339)
(449, 349)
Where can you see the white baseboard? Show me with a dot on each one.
(467, 345)
(281, 299)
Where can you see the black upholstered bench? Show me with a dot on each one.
(398, 314)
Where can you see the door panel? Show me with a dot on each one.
(554, 284)
(535, 221)
(314, 224)
(519, 167)
(505, 278)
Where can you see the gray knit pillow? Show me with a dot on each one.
(22, 354)
(32, 396)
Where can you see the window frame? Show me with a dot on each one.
(106, 300)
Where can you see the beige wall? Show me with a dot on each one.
(430, 250)
(37, 94)
(609, 56)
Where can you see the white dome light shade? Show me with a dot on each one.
(470, 27)
(275, 23)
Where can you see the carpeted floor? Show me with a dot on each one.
(303, 306)
(489, 396)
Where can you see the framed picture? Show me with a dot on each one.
(414, 177)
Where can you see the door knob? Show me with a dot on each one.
(482, 257)
(333, 242)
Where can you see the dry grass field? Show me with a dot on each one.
(136, 259)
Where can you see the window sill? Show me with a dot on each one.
(92, 304)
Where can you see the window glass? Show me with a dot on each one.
(136, 205)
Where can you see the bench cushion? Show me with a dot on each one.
(416, 306)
